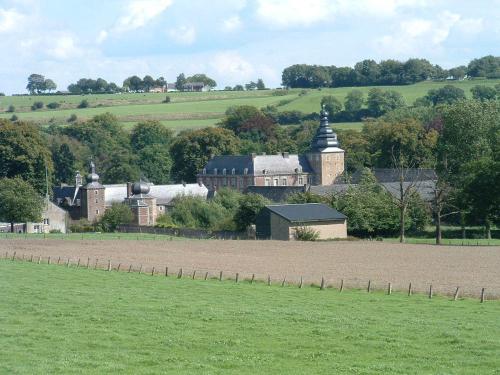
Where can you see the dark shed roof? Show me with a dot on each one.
(306, 212)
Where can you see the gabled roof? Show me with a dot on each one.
(163, 193)
(384, 175)
(276, 193)
(258, 164)
(306, 212)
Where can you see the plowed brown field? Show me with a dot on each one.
(445, 267)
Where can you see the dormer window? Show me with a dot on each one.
(233, 171)
(204, 171)
(215, 170)
(264, 171)
(245, 171)
(224, 171)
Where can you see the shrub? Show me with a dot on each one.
(55, 231)
(2, 94)
(84, 104)
(284, 102)
(280, 92)
(36, 105)
(165, 221)
(305, 233)
(14, 118)
(117, 214)
(53, 105)
(302, 92)
(167, 99)
(11, 108)
(72, 118)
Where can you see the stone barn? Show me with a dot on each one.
(278, 222)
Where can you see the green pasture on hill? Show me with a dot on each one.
(58, 320)
(194, 110)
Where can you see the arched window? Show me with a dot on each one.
(233, 171)
(245, 171)
(215, 170)
(224, 171)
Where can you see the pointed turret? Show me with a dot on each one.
(325, 137)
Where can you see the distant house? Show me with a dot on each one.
(171, 87)
(54, 218)
(280, 221)
(195, 86)
(158, 89)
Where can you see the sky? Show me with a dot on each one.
(232, 41)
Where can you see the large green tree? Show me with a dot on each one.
(150, 133)
(116, 215)
(191, 150)
(19, 202)
(24, 153)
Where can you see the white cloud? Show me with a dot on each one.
(103, 35)
(416, 36)
(232, 66)
(471, 26)
(285, 13)
(377, 7)
(10, 20)
(231, 24)
(183, 35)
(139, 13)
(64, 47)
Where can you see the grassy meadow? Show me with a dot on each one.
(188, 110)
(62, 320)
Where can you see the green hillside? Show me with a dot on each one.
(58, 320)
(193, 110)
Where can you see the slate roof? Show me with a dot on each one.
(256, 165)
(163, 193)
(276, 193)
(306, 212)
(384, 175)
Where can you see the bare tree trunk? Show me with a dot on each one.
(487, 225)
(402, 224)
(438, 227)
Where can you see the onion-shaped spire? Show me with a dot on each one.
(325, 137)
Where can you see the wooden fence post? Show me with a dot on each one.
(166, 271)
(22, 257)
(206, 275)
(39, 259)
(31, 258)
(283, 282)
(237, 277)
(430, 291)
(140, 269)
(67, 263)
(220, 276)
(322, 286)
(48, 260)
(268, 280)
(153, 271)
(253, 278)
(301, 282)
(179, 275)
(130, 269)
(369, 286)
(88, 263)
(78, 264)
(455, 296)
(7, 254)
(109, 265)
(14, 256)
(482, 295)
(96, 261)
(118, 268)
(341, 285)
(409, 290)
(389, 289)
(194, 274)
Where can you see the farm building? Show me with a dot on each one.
(195, 86)
(54, 218)
(279, 222)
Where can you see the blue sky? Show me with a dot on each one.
(233, 41)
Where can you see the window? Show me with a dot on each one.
(215, 170)
(233, 181)
(224, 171)
(245, 171)
(95, 191)
(267, 182)
(204, 171)
(97, 200)
(301, 181)
(283, 181)
(97, 212)
(276, 182)
(233, 171)
(46, 221)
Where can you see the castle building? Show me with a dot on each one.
(320, 166)
(92, 197)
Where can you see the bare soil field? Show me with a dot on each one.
(445, 267)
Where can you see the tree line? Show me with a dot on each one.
(387, 72)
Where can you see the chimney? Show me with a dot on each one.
(286, 155)
(129, 189)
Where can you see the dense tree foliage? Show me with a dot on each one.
(93, 86)
(482, 92)
(24, 153)
(487, 66)
(114, 216)
(445, 95)
(19, 202)
(37, 84)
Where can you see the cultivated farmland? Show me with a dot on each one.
(195, 110)
(445, 267)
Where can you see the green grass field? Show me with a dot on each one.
(195, 110)
(58, 320)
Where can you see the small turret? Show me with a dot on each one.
(325, 137)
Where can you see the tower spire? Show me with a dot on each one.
(325, 137)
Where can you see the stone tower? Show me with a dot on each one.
(92, 198)
(142, 204)
(325, 156)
